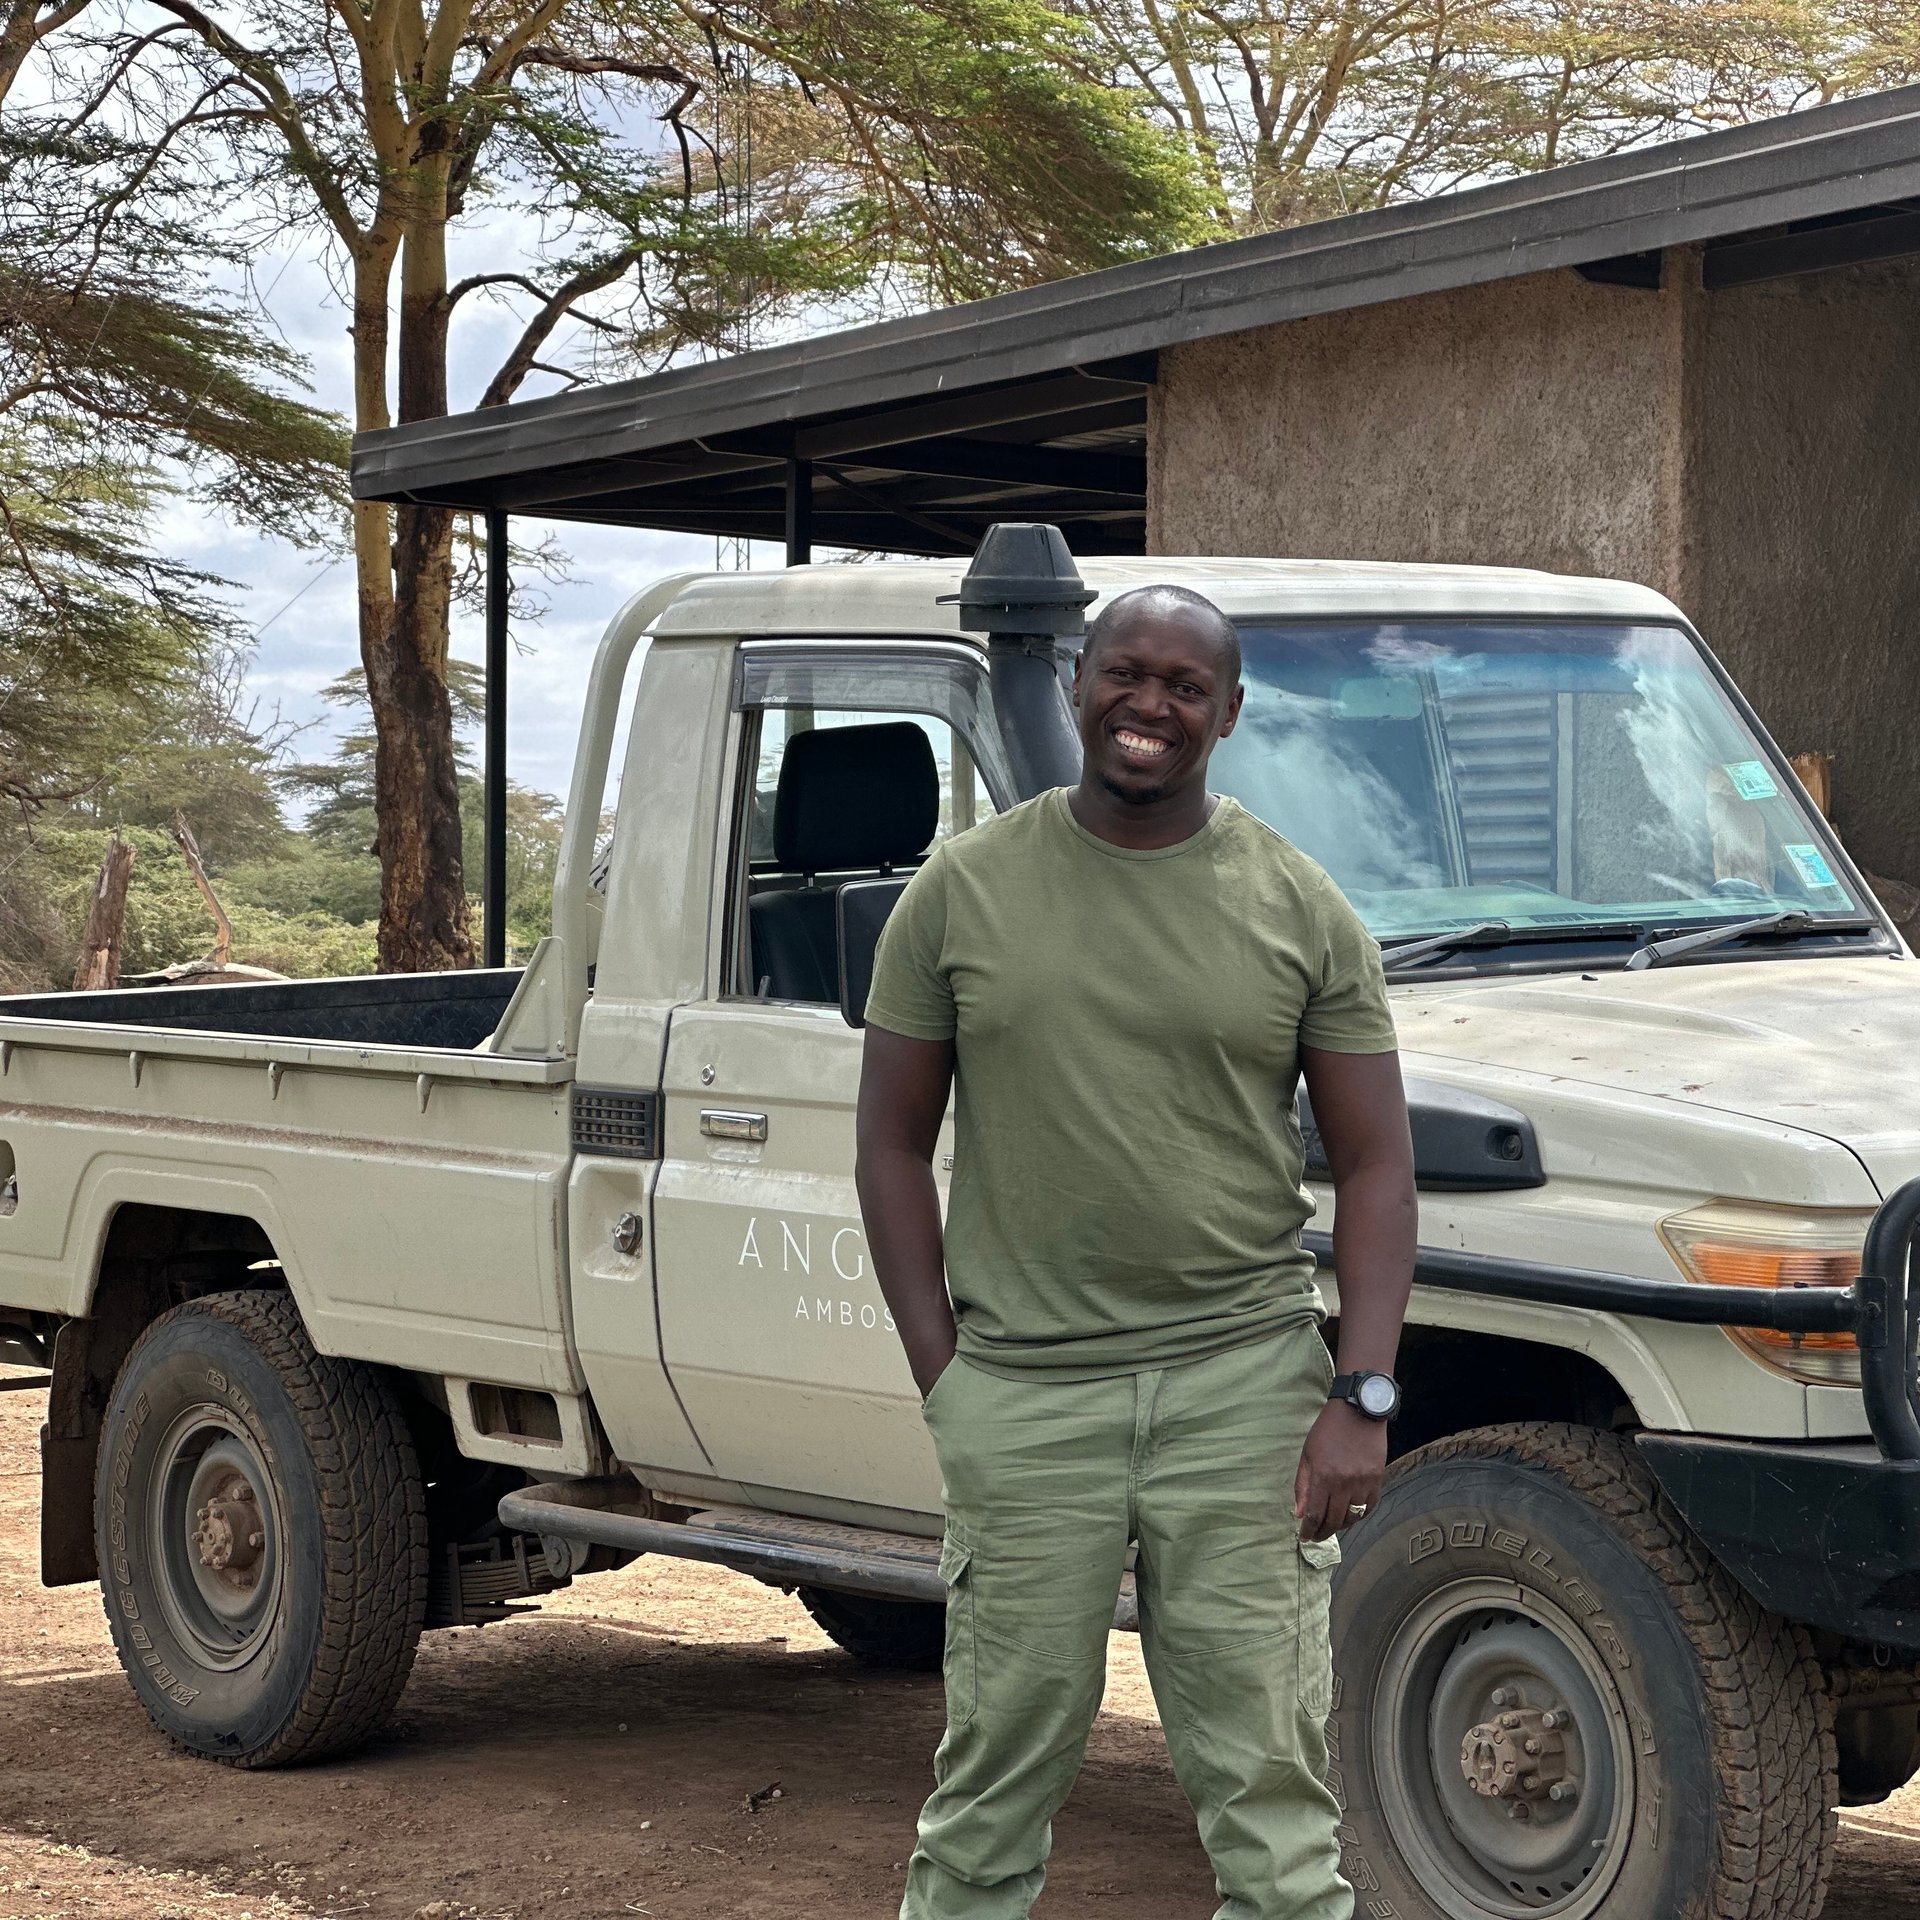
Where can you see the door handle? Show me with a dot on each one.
(719, 1124)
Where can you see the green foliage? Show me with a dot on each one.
(961, 147)
(333, 871)
(51, 876)
(308, 877)
(126, 386)
(534, 823)
(307, 946)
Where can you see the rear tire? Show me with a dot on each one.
(1554, 1702)
(905, 1634)
(262, 1535)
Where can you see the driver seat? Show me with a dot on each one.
(850, 799)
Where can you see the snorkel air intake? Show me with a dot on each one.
(1024, 592)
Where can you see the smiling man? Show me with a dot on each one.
(1117, 1336)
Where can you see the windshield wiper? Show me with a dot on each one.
(1793, 924)
(1501, 933)
(1489, 933)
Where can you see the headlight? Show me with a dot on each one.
(1731, 1243)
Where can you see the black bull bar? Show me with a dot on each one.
(1827, 1533)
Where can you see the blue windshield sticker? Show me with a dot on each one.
(1751, 780)
(1811, 865)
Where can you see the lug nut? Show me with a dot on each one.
(1531, 1745)
(1519, 1810)
(1502, 1697)
(1554, 1719)
(1564, 1790)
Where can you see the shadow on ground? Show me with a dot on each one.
(584, 1768)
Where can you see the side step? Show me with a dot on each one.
(782, 1549)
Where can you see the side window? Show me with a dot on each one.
(964, 800)
(859, 758)
(837, 794)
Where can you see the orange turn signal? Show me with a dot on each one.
(1742, 1244)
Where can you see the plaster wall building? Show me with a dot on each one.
(1752, 451)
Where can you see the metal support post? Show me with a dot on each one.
(493, 886)
(799, 512)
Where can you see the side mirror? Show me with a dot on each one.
(860, 910)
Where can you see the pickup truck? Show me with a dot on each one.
(378, 1305)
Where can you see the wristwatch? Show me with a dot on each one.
(1377, 1395)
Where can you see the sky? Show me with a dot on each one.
(302, 606)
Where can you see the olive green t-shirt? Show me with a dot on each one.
(1126, 1025)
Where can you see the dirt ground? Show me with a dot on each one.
(595, 1759)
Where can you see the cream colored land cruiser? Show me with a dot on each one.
(379, 1304)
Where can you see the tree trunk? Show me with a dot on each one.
(423, 901)
(19, 34)
(423, 898)
(99, 966)
(405, 578)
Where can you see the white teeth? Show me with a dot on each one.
(1139, 743)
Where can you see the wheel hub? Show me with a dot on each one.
(1521, 1755)
(216, 1538)
(228, 1532)
(1505, 1769)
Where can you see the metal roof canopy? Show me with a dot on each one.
(915, 435)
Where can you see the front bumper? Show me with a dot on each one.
(1828, 1535)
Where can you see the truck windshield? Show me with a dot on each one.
(1557, 775)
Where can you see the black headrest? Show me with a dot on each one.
(855, 797)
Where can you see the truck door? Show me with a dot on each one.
(855, 760)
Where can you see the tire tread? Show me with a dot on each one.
(1771, 1718)
(374, 1528)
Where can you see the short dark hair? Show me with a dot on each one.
(1167, 600)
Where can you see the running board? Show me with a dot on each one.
(782, 1549)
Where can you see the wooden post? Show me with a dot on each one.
(99, 966)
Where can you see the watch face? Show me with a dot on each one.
(1377, 1395)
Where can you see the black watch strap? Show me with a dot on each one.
(1374, 1394)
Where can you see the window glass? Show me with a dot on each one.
(1547, 774)
(964, 797)
(785, 943)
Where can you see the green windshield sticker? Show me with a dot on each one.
(1751, 780)
(1811, 865)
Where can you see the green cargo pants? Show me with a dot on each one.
(1046, 1483)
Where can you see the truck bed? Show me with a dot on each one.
(456, 1010)
(411, 1186)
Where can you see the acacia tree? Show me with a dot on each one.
(126, 383)
(1295, 109)
(793, 155)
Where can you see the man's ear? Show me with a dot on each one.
(1079, 666)
(1233, 713)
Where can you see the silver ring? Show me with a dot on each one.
(1355, 1513)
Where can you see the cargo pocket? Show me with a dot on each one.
(1318, 1558)
(956, 1575)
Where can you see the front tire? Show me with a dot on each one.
(262, 1535)
(1554, 1702)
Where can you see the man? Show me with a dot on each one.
(1118, 1339)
